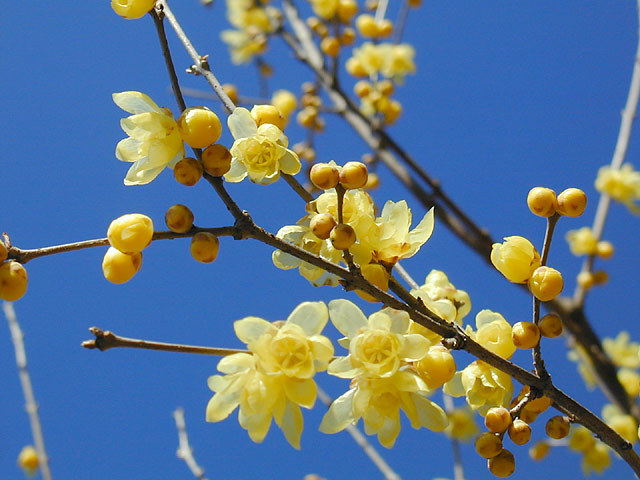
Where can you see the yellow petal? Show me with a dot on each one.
(347, 317)
(339, 415)
(135, 102)
(250, 329)
(241, 124)
(311, 316)
(302, 392)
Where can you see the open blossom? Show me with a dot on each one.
(391, 60)
(378, 402)
(621, 351)
(260, 153)
(243, 45)
(276, 378)
(438, 287)
(493, 333)
(582, 241)
(623, 185)
(154, 141)
(378, 346)
(624, 424)
(516, 258)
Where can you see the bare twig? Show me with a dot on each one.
(362, 441)
(31, 406)
(184, 449)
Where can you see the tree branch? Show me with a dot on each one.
(184, 449)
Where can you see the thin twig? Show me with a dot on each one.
(162, 36)
(31, 406)
(405, 276)
(401, 22)
(184, 449)
(362, 441)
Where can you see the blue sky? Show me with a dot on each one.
(507, 95)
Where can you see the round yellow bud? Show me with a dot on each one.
(311, 100)
(502, 465)
(600, 277)
(118, 267)
(342, 236)
(131, 9)
(307, 117)
(316, 25)
(130, 233)
(321, 225)
(437, 367)
(179, 218)
(497, 419)
(550, 325)
(525, 335)
(204, 247)
(488, 445)
(362, 88)
(414, 3)
(354, 67)
(376, 275)
(199, 127)
(353, 175)
(28, 459)
(630, 380)
(546, 283)
(385, 87)
(586, 280)
(581, 439)
(188, 171)
(391, 111)
(572, 202)
(347, 9)
(324, 176)
(216, 160)
(604, 249)
(528, 416)
(232, 92)
(557, 427)
(516, 258)
(262, 114)
(539, 450)
(542, 201)
(330, 46)
(373, 181)
(347, 37)
(496, 336)
(538, 405)
(4, 253)
(385, 28)
(13, 281)
(284, 101)
(519, 432)
(367, 26)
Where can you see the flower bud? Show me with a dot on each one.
(557, 427)
(330, 46)
(199, 127)
(516, 258)
(130, 233)
(572, 202)
(581, 439)
(525, 335)
(497, 419)
(354, 67)
(232, 92)
(262, 114)
(4, 253)
(284, 101)
(204, 247)
(324, 176)
(539, 450)
(216, 160)
(546, 283)
(376, 275)
(437, 367)
(321, 225)
(542, 201)
(118, 267)
(362, 88)
(179, 218)
(550, 325)
(28, 460)
(367, 26)
(600, 277)
(13, 281)
(353, 175)
(131, 9)
(347, 9)
(502, 465)
(519, 432)
(342, 236)
(488, 445)
(188, 171)
(604, 249)
(586, 280)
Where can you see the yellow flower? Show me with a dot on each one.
(582, 241)
(630, 380)
(398, 60)
(324, 8)
(369, 57)
(154, 141)
(483, 386)
(258, 152)
(28, 460)
(438, 287)
(275, 379)
(493, 333)
(392, 240)
(623, 352)
(623, 185)
(378, 346)
(243, 45)
(462, 425)
(625, 425)
(516, 258)
(379, 401)
(596, 459)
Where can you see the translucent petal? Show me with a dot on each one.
(342, 367)
(311, 316)
(379, 321)
(130, 150)
(135, 102)
(220, 407)
(414, 347)
(430, 414)
(218, 383)
(236, 363)
(241, 124)
(302, 392)
(292, 424)
(346, 317)
(419, 235)
(284, 260)
(322, 350)
(250, 329)
(237, 172)
(290, 163)
(139, 175)
(454, 386)
(339, 415)
(257, 425)
(144, 126)
(388, 434)
(400, 320)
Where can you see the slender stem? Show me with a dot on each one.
(405, 276)
(175, 85)
(401, 22)
(31, 406)
(184, 449)
(619, 154)
(362, 441)
(106, 340)
(548, 235)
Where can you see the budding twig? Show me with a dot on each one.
(184, 449)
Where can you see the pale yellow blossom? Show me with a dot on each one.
(493, 333)
(243, 45)
(324, 8)
(437, 287)
(154, 141)
(516, 258)
(483, 385)
(596, 459)
(625, 425)
(622, 352)
(582, 241)
(462, 424)
(623, 185)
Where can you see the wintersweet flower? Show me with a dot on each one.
(154, 141)
(378, 346)
(462, 425)
(483, 386)
(258, 152)
(378, 402)
(324, 8)
(624, 424)
(596, 459)
(397, 60)
(392, 239)
(621, 351)
(493, 333)
(276, 378)
(623, 185)
(243, 45)
(582, 241)
(438, 287)
(516, 258)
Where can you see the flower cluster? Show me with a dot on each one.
(275, 379)
(625, 355)
(390, 60)
(253, 23)
(595, 454)
(623, 185)
(384, 380)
